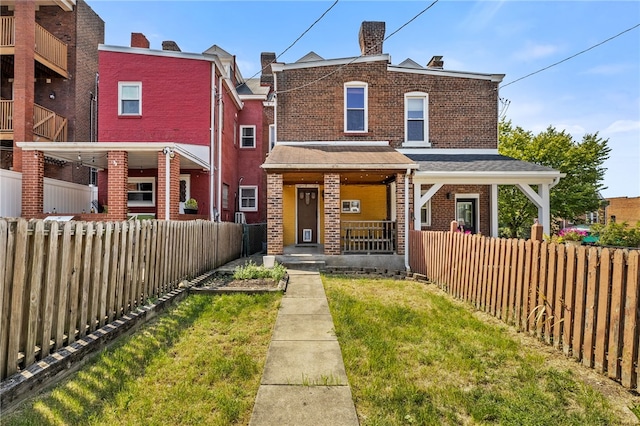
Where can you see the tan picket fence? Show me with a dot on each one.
(60, 281)
(582, 300)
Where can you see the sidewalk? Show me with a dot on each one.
(304, 381)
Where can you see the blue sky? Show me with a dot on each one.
(597, 91)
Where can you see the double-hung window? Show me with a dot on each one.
(248, 198)
(129, 98)
(247, 136)
(355, 107)
(416, 115)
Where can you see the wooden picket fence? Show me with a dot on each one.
(60, 281)
(582, 300)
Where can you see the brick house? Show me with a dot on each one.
(164, 138)
(47, 88)
(366, 150)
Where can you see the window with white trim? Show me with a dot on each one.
(141, 192)
(355, 107)
(129, 98)
(272, 136)
(248, 198)
(416, 119)
(425, 214)
(247, 136)
(225, 196)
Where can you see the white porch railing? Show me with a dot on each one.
(368, 236)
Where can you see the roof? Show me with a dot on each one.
(356, 156)
(474, 163)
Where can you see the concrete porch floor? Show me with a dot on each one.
(313, 257)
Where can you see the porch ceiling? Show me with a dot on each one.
(346, 177)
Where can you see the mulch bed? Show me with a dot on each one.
(225, 283)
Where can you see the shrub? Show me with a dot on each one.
(617, 234)
(251, 270)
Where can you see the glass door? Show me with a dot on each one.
(466, 214)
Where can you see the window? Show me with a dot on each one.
(225, 196)
(141, 192)
(272, 136)
(350, 206)
(248, 136)
(425, 214)
(249, 198)
(355, 107)
(129, 98)
(416, 107)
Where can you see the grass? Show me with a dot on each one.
(200, 363)
(251, 270)
(414, 357)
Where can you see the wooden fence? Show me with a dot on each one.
(60, 281)
(582, 300)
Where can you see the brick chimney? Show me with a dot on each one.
(371, 37)
(266, 76)
(436, 62)
(139, 40)
(170, 45)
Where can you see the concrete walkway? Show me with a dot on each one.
(304, 381)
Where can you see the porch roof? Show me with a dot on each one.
(323, 156)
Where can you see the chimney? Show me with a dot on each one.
(371, 37)
(266, 76)
(436, 62)
(170, 45)
(139, 40)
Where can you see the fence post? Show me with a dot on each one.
(454, 226)
(536, 231)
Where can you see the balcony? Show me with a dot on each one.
(49, 50)
(47, 125)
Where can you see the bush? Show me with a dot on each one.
(251, 270)
(617, 234)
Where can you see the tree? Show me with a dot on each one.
(575, 194)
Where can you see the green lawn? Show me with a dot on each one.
(200, 363)
(414, 357)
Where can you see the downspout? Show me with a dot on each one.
(275, 111)
(167, 182)
(220, 118)
(406, 221)
(212, 141)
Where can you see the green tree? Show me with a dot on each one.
(573, 196)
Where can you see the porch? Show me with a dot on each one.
(312, 257)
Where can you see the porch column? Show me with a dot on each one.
(400, 212)
(332, 214)
(168, 189)
(494, 210)
(24, 74)
(118, 178)
(32, 183)
(275, 230)
(542, 201)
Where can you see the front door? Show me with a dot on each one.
(307, 216)
(466, 214)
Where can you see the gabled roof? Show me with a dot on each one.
(474, 163)
(311, 57)
(218, 51)
(410, 63)
(252, 88)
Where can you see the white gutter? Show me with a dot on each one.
(212, 142)
(220, 118)
(167, 182)
(406, 221)
(275, 110)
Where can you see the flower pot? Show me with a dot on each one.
(268, 261)
(573, 243)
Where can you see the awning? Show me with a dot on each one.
(336, 156)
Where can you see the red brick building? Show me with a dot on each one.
(386, 148)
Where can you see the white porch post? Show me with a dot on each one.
(420, 201)
(544, 213)
(494, 210)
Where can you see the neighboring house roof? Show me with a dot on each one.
(474, 163)
(252, 87)
(315, 156)
(310, 57)
(410, 63)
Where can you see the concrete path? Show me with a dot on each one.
(304, 381)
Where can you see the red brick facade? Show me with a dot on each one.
(32, 187)
(275, 238)
(118, 181)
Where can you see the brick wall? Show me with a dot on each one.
(118, 177)
(400, 218)
(32, 183)
(275, 237)
(625, 209)
(463, 112)
(331, 214)
(443, 209)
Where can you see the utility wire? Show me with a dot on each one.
(357, 57)
(571, 57)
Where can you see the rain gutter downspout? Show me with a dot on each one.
(212, 144)
(220, 118)
(406, 221)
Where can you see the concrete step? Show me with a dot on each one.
(304, 264)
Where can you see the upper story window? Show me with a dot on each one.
(416, 115)
(247, 136)
(248, 198)
(355, 107)
(129, 98)
(272, 136)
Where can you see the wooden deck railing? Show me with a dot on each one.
(7, 31)
(62, 281)
(49, 125)
(6, 116)
(48, 47)
(584, 301)
(368, 236)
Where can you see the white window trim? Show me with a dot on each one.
(151, 203)
(242, 137)
(248, 209)
(425, 142)
(358, 84)
(353, 206)
(468, 196)
(426, 206)
(129, 83)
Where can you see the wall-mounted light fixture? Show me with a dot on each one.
(52, 95)
(167, 150)
(448, 195)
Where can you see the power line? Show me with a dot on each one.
(571, 57)
(358, 57)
